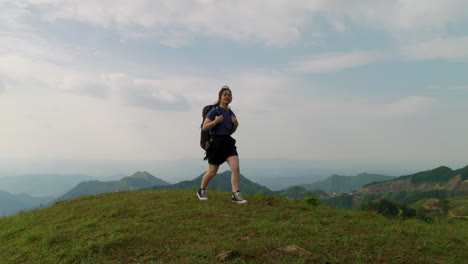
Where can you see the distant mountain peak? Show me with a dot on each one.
(142, 175)
(138, 180)
(340, 184)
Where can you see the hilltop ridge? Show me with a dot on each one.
(173, 226)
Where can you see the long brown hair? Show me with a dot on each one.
(225, 88)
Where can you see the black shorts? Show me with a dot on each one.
(222, 148)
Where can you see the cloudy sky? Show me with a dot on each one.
(340, 81)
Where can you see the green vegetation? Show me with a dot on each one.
(443, 210)
(312, 200)
(390, 208)
(459, 205)
(441, 183)
(173, 226)
(406, 197)
(344, 201)
(440, 175)
(297, 192)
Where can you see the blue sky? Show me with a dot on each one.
(347, 82)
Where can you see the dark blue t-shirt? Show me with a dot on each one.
(225, 127)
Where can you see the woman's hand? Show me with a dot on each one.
(219, 119)
(234, 120)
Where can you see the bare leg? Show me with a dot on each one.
(233, 162)
(212, 170)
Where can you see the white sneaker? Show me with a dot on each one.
(237, 198)
(201, 193)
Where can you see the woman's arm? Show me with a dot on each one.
(210, 124)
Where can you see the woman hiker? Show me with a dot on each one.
(222, 122)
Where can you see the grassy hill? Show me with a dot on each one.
(173, 226)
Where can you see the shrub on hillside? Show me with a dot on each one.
(389, 208)
(312, 200)
(342, 201)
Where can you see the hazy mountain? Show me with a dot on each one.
(341, 184)
(221, 182)
(439, 183)
(138, 180)
(277, 178)
(10, 204)
(276, 174)
(42, 184)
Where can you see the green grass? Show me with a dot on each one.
(459, 205)
(173, 226)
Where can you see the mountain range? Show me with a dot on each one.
(138, 180)
(42, 184)
(342, 184)
(439, 183)
(11, 203)
(334, 183)
(221, 181)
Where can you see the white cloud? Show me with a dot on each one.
(12, 14)
(452, 49)
(147, 93)
(98, 109)
(22, 43)
(87, 84)
(25, 67)
(2, 87)
(332, 62)
(175, 22)
(30, 62)
(322, 108)
(407, 17)
(450, 88)
(410, 105)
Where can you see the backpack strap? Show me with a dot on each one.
(230, 112)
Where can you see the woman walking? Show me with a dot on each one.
(222, 122)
